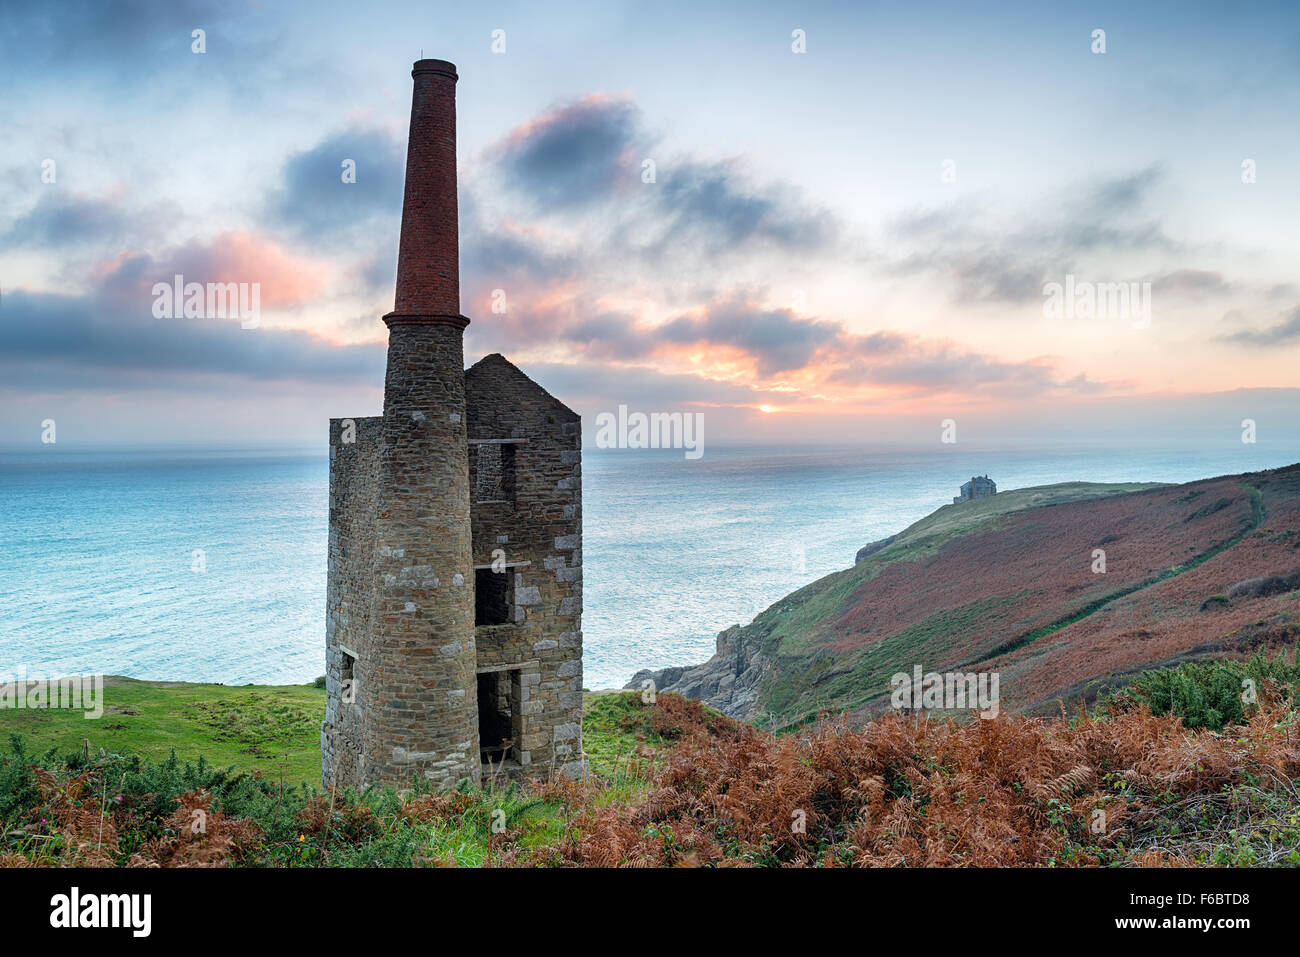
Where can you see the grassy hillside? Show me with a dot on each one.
(273, 729)
(253, 752)
(808, 681)
(788, 633)
(1009, 584)
(950, 521)
(269, 730)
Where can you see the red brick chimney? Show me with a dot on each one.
(428, 256)
(421, 660)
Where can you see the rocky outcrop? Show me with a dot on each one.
(874, 547)
(728, 681)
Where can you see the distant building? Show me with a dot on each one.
(980, 486)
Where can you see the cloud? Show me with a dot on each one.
(316, 204)
(1121, 194)
(556, 216)
(763, 348)
(285, 280)
(51, 342)
(572, 175)
(771, 340)
(775, 339)
(987, 258)
(1193, 282)
(582, 162)
(982, 274)
(61, 219)
(494, 252)
(644, 386)
(920, 367)
(928, 369)
(1285, 332)
(712, 204)
(575, 154)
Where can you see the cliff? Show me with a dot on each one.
(1012, 584)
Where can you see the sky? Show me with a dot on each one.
(856, 218)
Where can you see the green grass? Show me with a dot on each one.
(256, 750)
(611, 724)
(271, 728)
(614, 726)
(266, 728)
(951, 521)
(836, 683)
(1254, 822)
(466, 838)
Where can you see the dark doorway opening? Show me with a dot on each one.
(498, 715)
(491, 596)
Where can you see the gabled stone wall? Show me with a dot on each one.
(538, 536)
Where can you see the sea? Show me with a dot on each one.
(209, 564)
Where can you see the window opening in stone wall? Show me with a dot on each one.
(492, 596)
(494, 472)
(347, 684)
(498, 715)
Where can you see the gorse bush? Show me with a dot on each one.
(1212, 694)
(18, 791)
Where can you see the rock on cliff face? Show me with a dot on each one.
(874, 547)
(728, 681)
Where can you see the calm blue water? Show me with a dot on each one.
(97, 565)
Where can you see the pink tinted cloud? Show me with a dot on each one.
(286, 281)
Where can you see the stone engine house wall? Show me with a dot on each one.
(526, 513)
(353, 485)
(453, 635)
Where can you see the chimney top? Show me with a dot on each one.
(441, 67)
(428, 253)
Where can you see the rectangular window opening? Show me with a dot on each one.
(494, 472)
(492, 598)
(347, 682)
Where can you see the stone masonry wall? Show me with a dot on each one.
(405, 545)
(539, 536)
(418, 686)
(354, 477)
